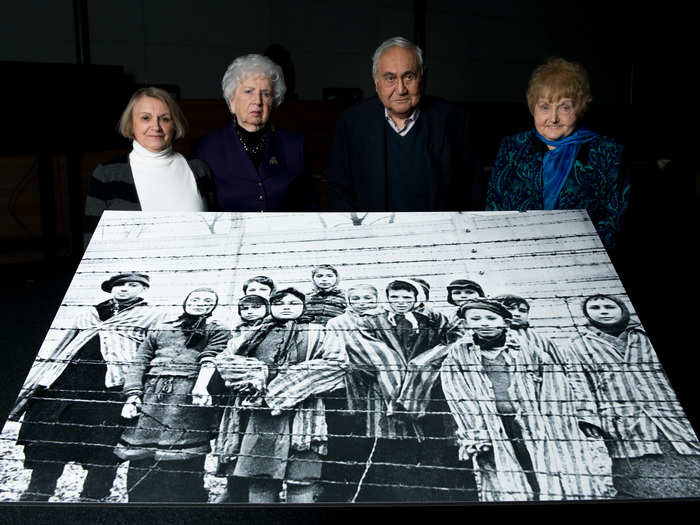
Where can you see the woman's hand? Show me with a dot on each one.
(132, 407)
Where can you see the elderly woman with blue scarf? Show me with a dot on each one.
(559, 164)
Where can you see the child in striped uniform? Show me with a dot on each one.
(498, 392)
(409, 457)
(347, 445)
(72, 396)
(623, 394)
(586, 466)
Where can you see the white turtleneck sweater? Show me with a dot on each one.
(164, 181)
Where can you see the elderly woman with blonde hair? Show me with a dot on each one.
(256, 166)
(153, 177)
(560, 164)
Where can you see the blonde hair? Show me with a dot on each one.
(556, 79)
(126, 122)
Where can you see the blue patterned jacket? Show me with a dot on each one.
(595, 183)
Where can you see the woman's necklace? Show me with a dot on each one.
(253, 141)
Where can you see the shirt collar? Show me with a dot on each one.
(408, 123)
(409, 317)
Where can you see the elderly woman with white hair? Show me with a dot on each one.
(256, 166)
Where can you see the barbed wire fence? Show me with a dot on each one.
(555, 260)
(12, 455)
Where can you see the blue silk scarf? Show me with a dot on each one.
(558, 162)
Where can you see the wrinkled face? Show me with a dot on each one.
(521, 314)
(325, 279)
(401, 301)
(256, 288)
(461, 295)
(398, 81)
(252, 311)
(555, 119)
(362, 300)
(287, 307)
(252, 102)
(153, 125)
(200, 303)
(127, 290)
(604, 311)
(485, 323)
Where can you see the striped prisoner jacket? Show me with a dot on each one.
(120, 337)
(376, 356)
(567, 465)
(620, 387)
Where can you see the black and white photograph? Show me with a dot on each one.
(373, 261)
(277, 358)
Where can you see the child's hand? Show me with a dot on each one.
(132, 407)
(201, 397)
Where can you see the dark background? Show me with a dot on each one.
(69, 67)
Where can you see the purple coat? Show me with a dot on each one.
(282, 182)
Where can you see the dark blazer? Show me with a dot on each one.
(596, 183)
(112, 187)
(282, 182)
(356, 171)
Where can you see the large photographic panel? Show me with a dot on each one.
(383, 357)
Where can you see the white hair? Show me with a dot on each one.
(258, 66)
(397, 41)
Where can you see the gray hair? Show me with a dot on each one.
(397, 41)
(257, 65)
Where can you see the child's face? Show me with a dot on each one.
(256, 288)
(521, 314)
(287, 307)
(362, 301)
(604, 310)
(252, 311)
(200, 303)
(127, 290)
(485, 323)
(461, 295)
(401, 301)
(325, 279)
